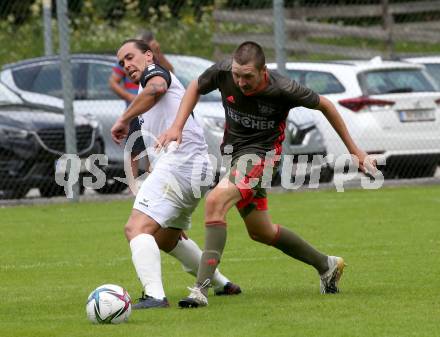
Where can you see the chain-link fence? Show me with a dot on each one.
(58, 57)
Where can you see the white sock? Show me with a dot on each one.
(189, 254)
(146, 259)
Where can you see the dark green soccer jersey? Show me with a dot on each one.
(255, 124)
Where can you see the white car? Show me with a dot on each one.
(432, 65)
(39, 80)
(392, 111)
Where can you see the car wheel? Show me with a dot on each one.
(327, 174)
(112, 186)
(18, 193)
(426, 171)
(51, 190)
(54, 190)
(276, 179)
(419, 171)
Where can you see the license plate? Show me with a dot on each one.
(61, 166)
(417, 115)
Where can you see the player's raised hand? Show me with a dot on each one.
(119, 131)
(173, 134)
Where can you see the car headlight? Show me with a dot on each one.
(94, 124)
(215, 123)
(292, 130)
(297, 134)
(11, 132)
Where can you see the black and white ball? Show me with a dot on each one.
(107, 304)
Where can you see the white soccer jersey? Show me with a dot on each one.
(180, 177)
(162, 115)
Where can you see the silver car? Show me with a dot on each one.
(39, 80)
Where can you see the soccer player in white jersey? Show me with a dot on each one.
(164, 204)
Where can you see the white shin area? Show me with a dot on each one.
(146, 260)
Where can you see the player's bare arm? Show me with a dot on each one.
(153, 91)
(114, 83)
(155, 88)
(189, 101)
(329, 110)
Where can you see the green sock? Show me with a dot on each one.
(215, 240)
(291, 244)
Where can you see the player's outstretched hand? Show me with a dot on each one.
(367, 164)
(119, 131)
(171, 135)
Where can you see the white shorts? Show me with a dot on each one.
(170, 196)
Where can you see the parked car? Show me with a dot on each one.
(31, 142)
(432, 64)
(304, 139)
(391, 109)
(39, 80)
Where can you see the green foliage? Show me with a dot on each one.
(27, 38)
(188, 35)
(53, 256)
(16, 12)
(100, 30)
(181, 27)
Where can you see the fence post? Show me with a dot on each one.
(66, 76)
(218, 55)
(387, 23)
(47, 24)
(279, 35)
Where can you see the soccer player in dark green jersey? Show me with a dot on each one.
(256, 102)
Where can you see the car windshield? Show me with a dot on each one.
(321, 82)
(388, 81)
(433, 69)
(187, 69)
(45, 78)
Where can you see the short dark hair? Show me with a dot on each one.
(139, 44)
(142, 46)
(250, 51)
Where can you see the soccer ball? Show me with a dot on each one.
(107, 304)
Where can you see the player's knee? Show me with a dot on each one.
(254, 237)
(164, 245)
(261, 237)
(129, 231)
(214, 206)
(257, 237)
(210, 201)
(134, 228)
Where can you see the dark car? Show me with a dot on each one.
(31, 141)
(38, 81)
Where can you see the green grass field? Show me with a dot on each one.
(53, 256)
